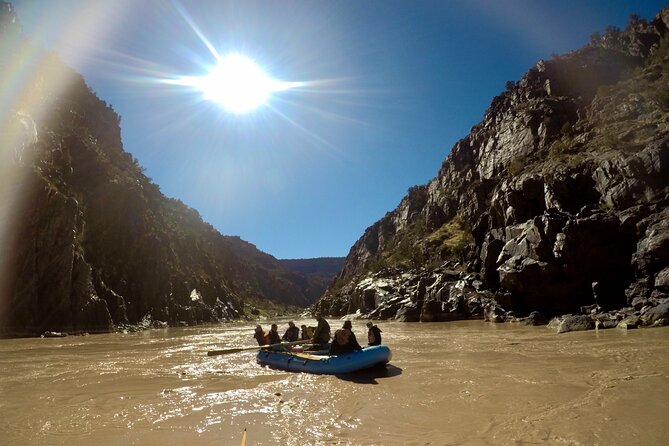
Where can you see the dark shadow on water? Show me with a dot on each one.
(370, 376)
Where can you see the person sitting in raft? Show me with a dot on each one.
(373, 334)
(292, 333)
(344, 340)
(259, 335)
(307, 332)
(322, 333)
(273, 336)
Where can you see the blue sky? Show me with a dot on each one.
(391, 86)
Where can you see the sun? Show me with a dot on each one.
(238, 84)
(235, 82)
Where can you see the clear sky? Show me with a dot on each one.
(388, 88)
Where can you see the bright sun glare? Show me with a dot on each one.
(237, 83)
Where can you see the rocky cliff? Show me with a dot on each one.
(89, 242)
(556, 202)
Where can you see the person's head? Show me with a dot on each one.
(291, 324)
(303, 327)
(347, 324)
(258, 328)
(369, 324)
(318, 316)
(274, 327)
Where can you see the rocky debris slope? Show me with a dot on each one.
(89, 241)
(556, 202)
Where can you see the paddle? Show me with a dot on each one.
(243, 349)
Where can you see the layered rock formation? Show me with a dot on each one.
(89, 242)
(556, 201)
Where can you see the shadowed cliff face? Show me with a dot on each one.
(88, 240)
(556, 200)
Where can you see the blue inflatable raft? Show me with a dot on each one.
(323, 364)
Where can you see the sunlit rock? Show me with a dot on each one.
(575, 323)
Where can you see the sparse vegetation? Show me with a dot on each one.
(595, 39)
(516, 166)
(661, 54)
(610, 139)
(376, 264)
(612, 32)
(557, 149)
(452, 237)
(662, 99)
(635, 19)
(408, 252)
(604, 91)
(566, 128)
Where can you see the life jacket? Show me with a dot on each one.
(342, 336)
(273, 337)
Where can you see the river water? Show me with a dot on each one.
(457, 383)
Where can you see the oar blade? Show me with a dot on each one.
(227, 351)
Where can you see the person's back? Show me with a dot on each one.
(273, 335)
(292, 333)
(322, 332)
(259, 335)
(373, 334)
(344, 341)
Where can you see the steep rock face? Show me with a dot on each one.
(554, 202)
(53, 287)
(90, 242)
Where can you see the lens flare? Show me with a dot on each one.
(237, 83)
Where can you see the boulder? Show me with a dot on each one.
(431, 311)
(534, 318)
(629, 323)
(53, 334)
(652, 250)
(409, 312)
(604, 324)
(540, 286)
(656, 313)
(662, 280)
(575, 323)
(494, 313)
(569, 191)
(624, 181)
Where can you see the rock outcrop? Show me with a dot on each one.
(556, 202)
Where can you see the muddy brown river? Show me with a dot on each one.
(457, 383)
